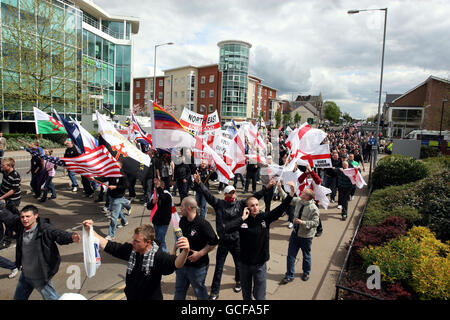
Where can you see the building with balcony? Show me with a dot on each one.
(75, 59)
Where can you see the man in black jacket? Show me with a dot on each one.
(253, 227)
(71, 152)
(182, 176)
(117, 188)
(226, 210)
(147, 263)
(36, 252)
(163, 213)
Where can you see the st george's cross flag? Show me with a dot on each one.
(46, 124)
(355, 177)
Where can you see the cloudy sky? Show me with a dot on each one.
(301, 46)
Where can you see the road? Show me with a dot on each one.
(69, 209)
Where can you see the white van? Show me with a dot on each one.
(427, 135)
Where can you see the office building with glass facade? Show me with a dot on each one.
(233, 63)
(70, 56)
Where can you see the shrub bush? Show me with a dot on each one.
(427, 152)
(437, 164)
(387, 292)
(13, 144)
(391, 228)
(395, 170)
(417, 259)
(430, 197)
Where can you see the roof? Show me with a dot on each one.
(221, 43)
(94, 10)
(391, 97)
(308, 98)
(308, 106)
(421, 84)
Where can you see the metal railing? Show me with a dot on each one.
(23, 165)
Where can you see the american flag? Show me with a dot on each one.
(96, 163)
(55, 160)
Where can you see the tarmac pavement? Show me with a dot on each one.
(69, 209)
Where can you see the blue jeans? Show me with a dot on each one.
(160, 235)
(73, 178)
(201, 202)
(7, 264)
(116, 205)
(236, 180)
(253, 276)
(191, 276)
(25, 288)
(49, 185)
(296, 243)
(331, 183)
(221, 255)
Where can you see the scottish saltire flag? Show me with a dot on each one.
(72, 131)
(95, 163)
(46, 124)
(55, 160)
(89, 142)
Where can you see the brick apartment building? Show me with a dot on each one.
(421, 107)
(143, 93)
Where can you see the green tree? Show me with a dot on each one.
(278, 118)
(41, 56)
(332, 111)
(297, 119)
(286, 119)
(347, 117)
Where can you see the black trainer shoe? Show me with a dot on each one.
(286, 280)
(213, 296)
(305, 277)
(344, 217)
(237, 287)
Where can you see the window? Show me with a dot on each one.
(138, 84)
(138, 96)
(211, 108)
(176, 81)
(182, 94)
(202, 94)
(211, 93)
(211, 78)
(160, 95)
(265, 92)
(203, 80)
(175, 94)
(168, 82)
(161, 83)
(202, 108)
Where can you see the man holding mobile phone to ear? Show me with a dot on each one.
(253, 229)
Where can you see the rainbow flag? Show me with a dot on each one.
(167, 131)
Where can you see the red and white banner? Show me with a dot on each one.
(355, 176)
(96, 163)
(198, 122)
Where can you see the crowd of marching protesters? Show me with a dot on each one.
(242, 228)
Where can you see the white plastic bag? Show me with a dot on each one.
(91, 252)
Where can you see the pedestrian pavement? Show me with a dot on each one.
(69, 209)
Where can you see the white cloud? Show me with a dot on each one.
(305, 47)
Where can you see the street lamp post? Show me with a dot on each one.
(154, 68)
(375, 150)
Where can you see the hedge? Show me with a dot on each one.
(397, 170)
(429, 196)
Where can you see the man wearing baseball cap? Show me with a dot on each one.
(226, 210)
